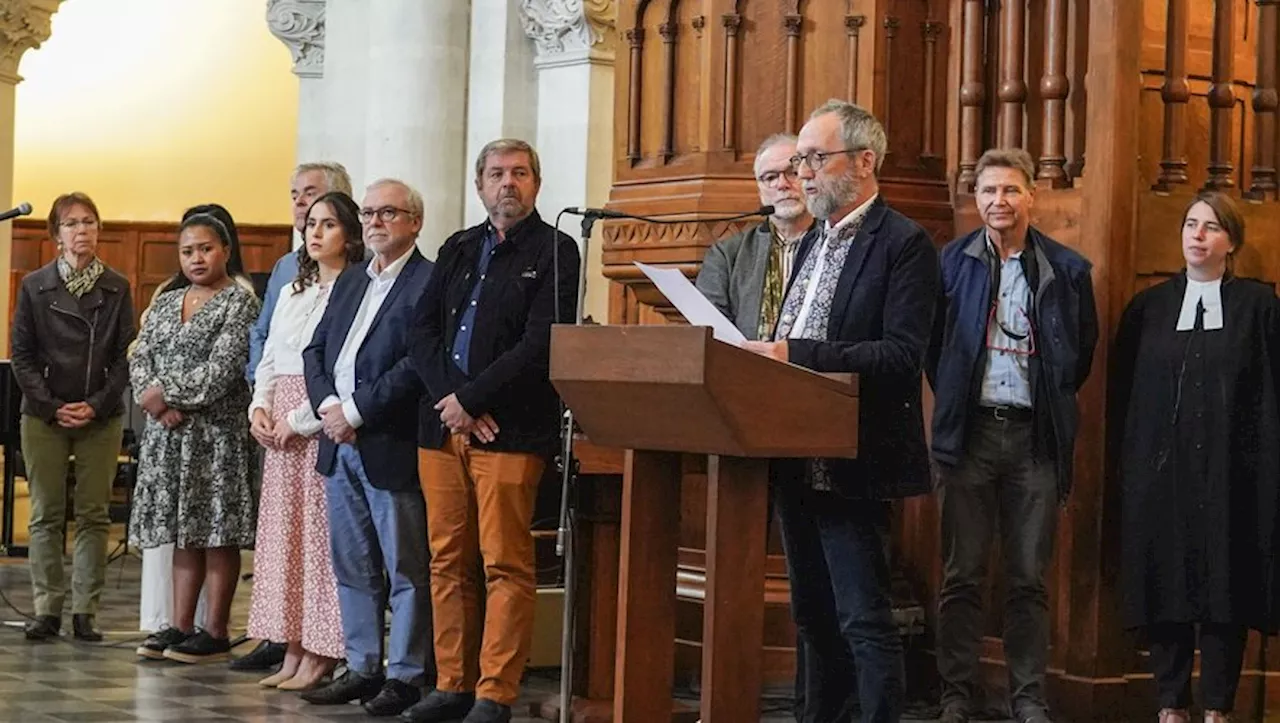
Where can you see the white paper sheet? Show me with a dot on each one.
(689, 301)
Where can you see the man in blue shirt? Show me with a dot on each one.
(309, 182)
(1013, 342)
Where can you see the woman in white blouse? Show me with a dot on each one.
(295, 595)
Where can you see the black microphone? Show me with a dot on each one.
(657, 217)
(596, 212)
(22, 210)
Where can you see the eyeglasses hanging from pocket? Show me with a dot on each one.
(1014, 335)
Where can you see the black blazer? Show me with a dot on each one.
(880, 324)
(511, 343)
(387, 389)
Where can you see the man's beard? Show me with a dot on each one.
(832, 196)
(515, 209)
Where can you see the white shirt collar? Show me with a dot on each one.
(1207, 294)
(391, 270)
(854, 215)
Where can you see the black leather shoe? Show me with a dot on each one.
(488, 711)
(43, 627)
(393, 699)
(351, 686)
(440, 706)
(83, 628)
(264, 657)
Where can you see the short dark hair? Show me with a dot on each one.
(348, 213)
(1227, 211)
(63, 203)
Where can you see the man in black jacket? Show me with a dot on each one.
(488, 423)
(861, 300)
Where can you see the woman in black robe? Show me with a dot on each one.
(1196, 368)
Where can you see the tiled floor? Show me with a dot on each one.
(72, 681)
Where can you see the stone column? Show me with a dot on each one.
(299, 24)
(24, 24)
(415, 99)
(575, 41)
(502, 92)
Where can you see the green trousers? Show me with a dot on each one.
(47, 451)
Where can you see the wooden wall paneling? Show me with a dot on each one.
(887, 76)
(1265, 101)
(794, 23)
(932, 32)
(972, 92)
(853, 28)
(669, 30)
(1077, 101)
(1095, 652)
(1175, 94)
(1013, 84)
(144, 252)
(1222, 100)
(1034, 44)
(1055, 86)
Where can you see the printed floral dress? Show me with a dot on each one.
(194, 481)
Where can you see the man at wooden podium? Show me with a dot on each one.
(862, 300)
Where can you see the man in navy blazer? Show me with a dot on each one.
(861, 300)
(362, 384)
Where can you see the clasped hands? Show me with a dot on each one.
(74, 415)
(268, 435)
(456, 418)
(152, 402)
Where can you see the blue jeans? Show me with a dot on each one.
(838, 564)
(378, 535)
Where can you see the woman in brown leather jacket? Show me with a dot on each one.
(71, 328)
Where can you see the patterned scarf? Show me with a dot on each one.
(79, 282)
(776, 273)
(834, 248)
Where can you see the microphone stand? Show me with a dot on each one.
(565, 533)
(565, 537)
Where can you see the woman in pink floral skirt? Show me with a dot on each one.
(295, 595)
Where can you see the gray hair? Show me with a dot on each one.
(415, 199)
(858, 128)
(776, 139)
(335, 174)
(1015, 158)
(509, 145)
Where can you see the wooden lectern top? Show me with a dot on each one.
(675, 388)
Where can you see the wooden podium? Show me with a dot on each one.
(659, 391)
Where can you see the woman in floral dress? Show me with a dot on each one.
(193, 488)
(295, 594)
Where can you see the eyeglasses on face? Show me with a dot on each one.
(74, 223)
(769, 178)
(386, 214)
(815, 160)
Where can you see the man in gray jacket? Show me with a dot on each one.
(746, 275)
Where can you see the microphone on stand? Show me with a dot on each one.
(598, 213)
(567, 465)
(22, 209)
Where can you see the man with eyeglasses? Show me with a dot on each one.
(1013, 342)
(308, 182)
(362, 384)
(490, 421)
(745, 275)
(862, 301)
